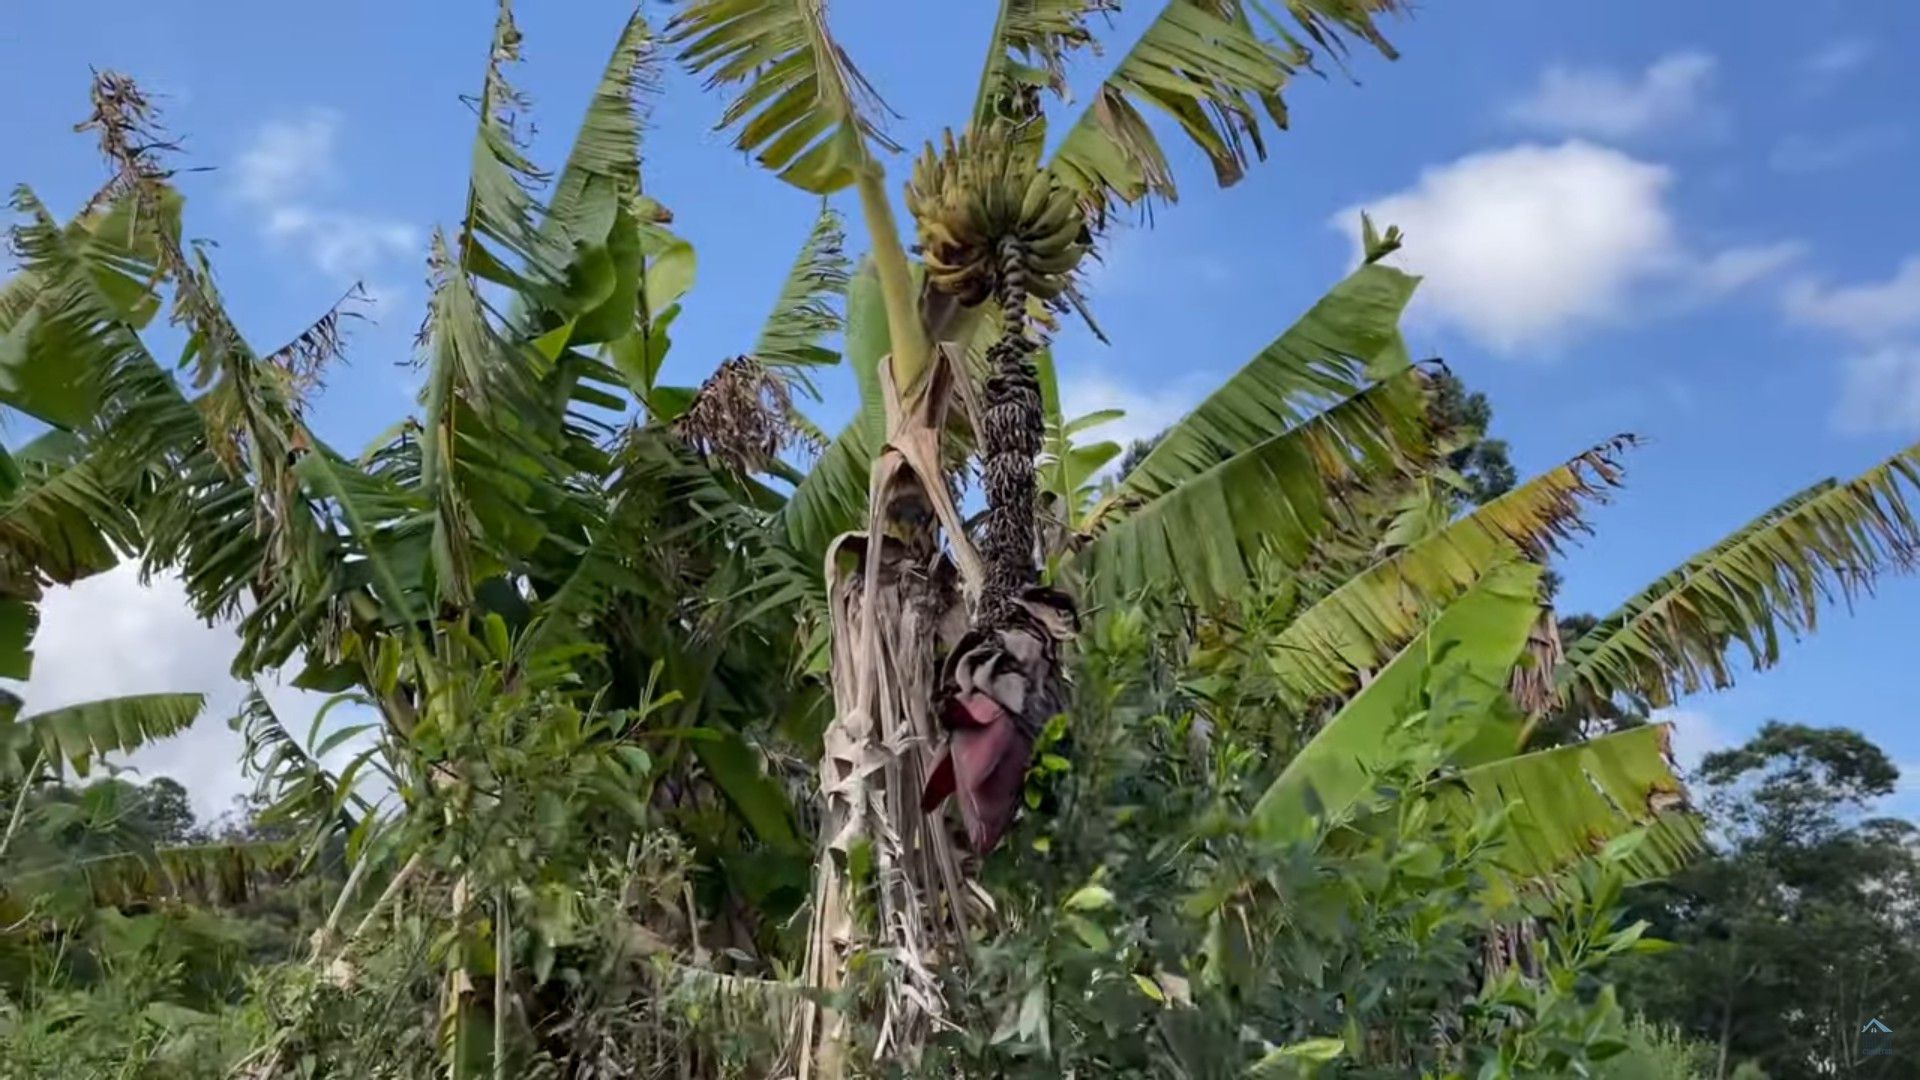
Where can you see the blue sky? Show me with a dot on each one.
(1633, 217)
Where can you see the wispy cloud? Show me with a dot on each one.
(1140, 260)
(1879, 383)
(1609, 104)
(1149, 410)
(1905, 800)
(1525, 247)
(285, 176)
(1837, 59)
(287, 160)
(1695, 735)
(1800, 152)
(1873, 311)
(344, 244)
(1880, 392)
(1736, 268)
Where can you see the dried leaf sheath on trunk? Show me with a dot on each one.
(891, 603)
(992, 224)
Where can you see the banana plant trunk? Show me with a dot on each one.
(937, 648)
(894, 596)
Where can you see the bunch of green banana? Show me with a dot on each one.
(982, 192)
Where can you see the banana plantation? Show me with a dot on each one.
(684, 738)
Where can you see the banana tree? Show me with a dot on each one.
(62, 519)
(64, 513)
(520, 546)
(1002, 226)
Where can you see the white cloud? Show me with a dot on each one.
(109, 635)
(1605, 103)
(1827, 151)
(1880, 392)
(1695, 735)
(282, 175)
(1521, 245)
(1148, 411)
(1869, 311)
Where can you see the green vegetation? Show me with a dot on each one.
(1264, 754)
(1798, 927)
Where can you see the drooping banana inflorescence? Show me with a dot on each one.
(1013, 423)
(992, 223)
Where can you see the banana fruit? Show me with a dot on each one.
(981, 191)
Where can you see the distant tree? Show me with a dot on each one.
(62, 822)
(1137, 451)
(166, 810)
(1800, 926)
(1482, 462)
